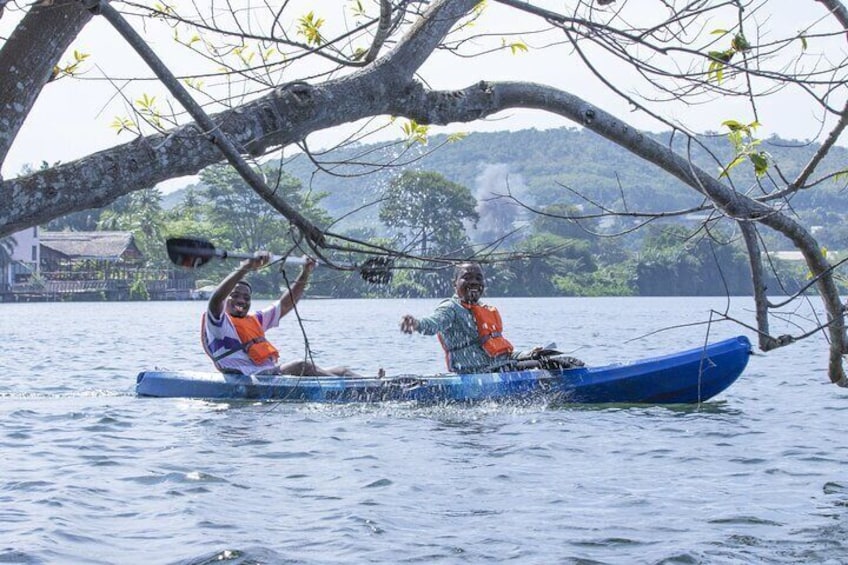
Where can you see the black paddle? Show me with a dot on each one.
(192, 252)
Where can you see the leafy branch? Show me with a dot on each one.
(720, 59)
(745, 145)
(69, 69)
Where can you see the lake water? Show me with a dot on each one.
(92, 474)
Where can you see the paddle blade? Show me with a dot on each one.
(189, 252)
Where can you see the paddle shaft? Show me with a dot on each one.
(274, 258)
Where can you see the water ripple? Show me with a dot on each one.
(92, 474)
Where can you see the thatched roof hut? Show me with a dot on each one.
(62, 248)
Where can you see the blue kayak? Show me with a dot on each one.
(685, 377)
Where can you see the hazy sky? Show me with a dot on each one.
(72, 117)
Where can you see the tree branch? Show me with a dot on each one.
(488, 98)
(256, 182)
(28, 57)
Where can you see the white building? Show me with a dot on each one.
(26, 255)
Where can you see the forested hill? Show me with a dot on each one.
(544, 167)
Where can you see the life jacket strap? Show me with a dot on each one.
(485, 338)
(226, 353)
(244, 347)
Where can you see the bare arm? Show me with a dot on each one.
(292, 296)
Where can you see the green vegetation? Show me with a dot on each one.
(466, 196)
(426, 212)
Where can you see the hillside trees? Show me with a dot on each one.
(558, 257)
(693, 266)
(141, 213)
(427, 212)
(251, 223)
(427, 215)
(243, 219)
(289, 72)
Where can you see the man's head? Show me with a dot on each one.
(238, 302)
(469, 283)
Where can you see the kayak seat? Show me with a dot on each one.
(547, 359)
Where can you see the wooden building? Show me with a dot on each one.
(105, 265)
(110, 252)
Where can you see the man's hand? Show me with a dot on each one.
(259, 260)
(310, 264)
(408, 324)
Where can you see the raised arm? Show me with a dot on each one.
(292, 296)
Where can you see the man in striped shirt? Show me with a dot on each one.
(456, 325)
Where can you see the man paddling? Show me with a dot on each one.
(234, 337)
(471, 333)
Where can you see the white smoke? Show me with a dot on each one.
(499, 215)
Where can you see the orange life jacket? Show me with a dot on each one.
(253, 339)
(490, 329)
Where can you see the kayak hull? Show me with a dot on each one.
(689, 376)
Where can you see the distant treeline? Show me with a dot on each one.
(562, 171)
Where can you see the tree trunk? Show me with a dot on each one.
(28, 58)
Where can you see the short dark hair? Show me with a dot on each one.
(245, 283)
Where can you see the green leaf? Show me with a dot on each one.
(164, 8)
(760, 161)
(744, 144)
(721, 56)
(518, 46)
(146, 102)
(358, 9)
(732, 125)
(739, 128)
(415, 132)
(739, 43)
(715, 71)
(309, 27)
(194, 83)
(121, 125)
(736, 160)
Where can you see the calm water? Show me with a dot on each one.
(91, 474)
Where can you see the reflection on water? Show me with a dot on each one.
(93, 474)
